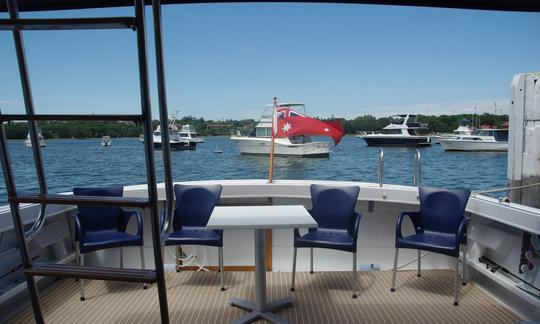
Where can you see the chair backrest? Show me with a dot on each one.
(194, 204)
(95, 218)
(442, 209)
(333, 207)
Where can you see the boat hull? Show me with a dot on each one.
(401, 141)
(261, 146)
(182, 145)
(471, 145)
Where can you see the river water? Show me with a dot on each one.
(71, 163)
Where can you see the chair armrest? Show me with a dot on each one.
(461, 235)
(356, 225)
(416, 218)
(126, 216)
(79, 231)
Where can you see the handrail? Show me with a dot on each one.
(380, 173)
(163, 117)
(417, 169)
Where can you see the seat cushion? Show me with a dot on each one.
(327, 239)
(195, 236)
(99, 240)
(431, 241)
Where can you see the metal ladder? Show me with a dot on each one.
(137, 23)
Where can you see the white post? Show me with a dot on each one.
(524, 139)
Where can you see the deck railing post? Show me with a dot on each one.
(150, 162)
(417, 170)
(380, 174)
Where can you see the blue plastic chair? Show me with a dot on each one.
(194, 205)
(104, 227)
(337, 221)
(440, 226)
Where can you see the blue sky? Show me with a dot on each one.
(228, 61)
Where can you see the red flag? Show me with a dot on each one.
(292, 123)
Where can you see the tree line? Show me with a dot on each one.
(80, 129)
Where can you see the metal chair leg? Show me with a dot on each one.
(355, 277)
(177, 258)
(464, 265)
(393, 288)
(419, 272)
(121, 258)
(80, 260)
(221, 270)
(145, 285)
(311, 260)
(456, 283)
(294, 269)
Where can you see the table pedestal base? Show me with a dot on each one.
(257, 313)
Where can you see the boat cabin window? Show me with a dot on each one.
(390, 131)
(419, 131)
(157, 133)
(301, 139)
(264, 132)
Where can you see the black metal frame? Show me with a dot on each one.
(504, 5)
(136, 23)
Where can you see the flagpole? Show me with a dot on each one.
(271, 170)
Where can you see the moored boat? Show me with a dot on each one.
(42, 142)
(106, 141)
(400, 132)
(188, 133)
(483, 140)
(298, 145)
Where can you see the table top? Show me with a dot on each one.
(260, 217)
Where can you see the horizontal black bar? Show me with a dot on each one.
(98, 273)
(504, 5)
(68, 23)
(22, 117)
(55, 199)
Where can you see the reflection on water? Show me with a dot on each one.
(70, 163)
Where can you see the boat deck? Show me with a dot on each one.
(324, 297)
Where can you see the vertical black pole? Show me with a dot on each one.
(17, 224)
(163, 111)
(150, 167)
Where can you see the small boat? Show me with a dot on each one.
(483, 140)
(260, 142)
(400, 132)
(189, 133)
(460, 131)
(217, 150)
(42, 142)
(106, 141)
(175, 140)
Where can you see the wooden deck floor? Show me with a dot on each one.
(194, 297)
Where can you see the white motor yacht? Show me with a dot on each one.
(175, 140)
(400, 132)
(106, 141)
(483, 140)
(189, 133)
(260, 142)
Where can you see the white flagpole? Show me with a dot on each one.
(274, 129)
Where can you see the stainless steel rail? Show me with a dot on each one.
(380, 173)
(417, 170)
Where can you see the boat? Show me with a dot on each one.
(218, 150)
(462, 129)
(400, 132)
(42, 142)
(259, 143)
(495, 140)
(106, 141)
(175, 139)
(188, 133)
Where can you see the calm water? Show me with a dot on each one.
(70, 163)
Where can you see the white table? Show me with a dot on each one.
(260, 218)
